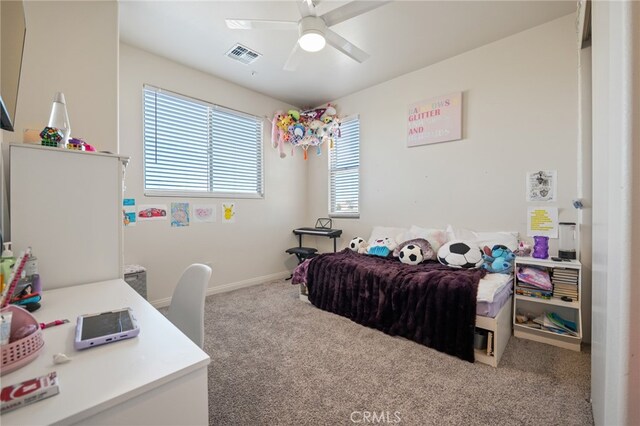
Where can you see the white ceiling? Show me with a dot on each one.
(401, 37)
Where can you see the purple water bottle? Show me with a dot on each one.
(540, 247)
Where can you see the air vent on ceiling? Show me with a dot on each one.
(243, 54)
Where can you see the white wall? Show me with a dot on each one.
(615, 365)
(519, 114)
(247, 251)
(71, 47)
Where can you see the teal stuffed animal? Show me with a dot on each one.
(498, 259)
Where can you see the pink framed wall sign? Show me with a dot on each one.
(435, 120)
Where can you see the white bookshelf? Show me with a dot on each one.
(533, 306)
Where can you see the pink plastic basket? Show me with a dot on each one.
(23, 351)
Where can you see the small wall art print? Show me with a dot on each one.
(129, 211)
(228, 212)
(179, 214)
(152, 212)
(435, 120)
(542, 185)
(203, 213)
(542, 221)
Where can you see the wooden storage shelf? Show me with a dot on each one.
(500, 326)
(571, 311)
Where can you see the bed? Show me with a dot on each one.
(440, 307)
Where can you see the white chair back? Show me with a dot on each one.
(187, 303)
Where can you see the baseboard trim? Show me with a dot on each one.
(161, 303)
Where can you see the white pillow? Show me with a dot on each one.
(436, 237)
(489, 239)
(380, 232)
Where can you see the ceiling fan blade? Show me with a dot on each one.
(350, 10)
(258, 24)
(295, 57)
(306, 8)
(345, 46)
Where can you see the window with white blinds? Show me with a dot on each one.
(344, 171)
(194, 148)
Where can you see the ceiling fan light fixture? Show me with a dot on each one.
(312, 41)
(311, 31)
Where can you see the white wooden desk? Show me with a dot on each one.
(157, 378)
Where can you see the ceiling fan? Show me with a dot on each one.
(313, 30)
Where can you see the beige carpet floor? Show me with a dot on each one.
(278, 361)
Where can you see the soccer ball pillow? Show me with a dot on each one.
(411, 254)
(427, 251)
(358, 245)
(460, 254)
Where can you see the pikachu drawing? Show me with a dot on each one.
(228, 211)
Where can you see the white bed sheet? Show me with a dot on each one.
(491, 284)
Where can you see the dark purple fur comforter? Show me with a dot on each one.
(430, 303)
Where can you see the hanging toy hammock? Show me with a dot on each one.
(309, 128)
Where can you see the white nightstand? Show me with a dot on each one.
(534, 306)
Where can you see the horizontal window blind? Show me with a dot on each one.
(199, 148)
(344, 171)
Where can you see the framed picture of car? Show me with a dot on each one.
(152, 212)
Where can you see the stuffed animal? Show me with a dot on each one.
(499, 258)
(278, 133)
(425, 246)
(358, 245)
(411, 254)
(460, 254)
(382, 247)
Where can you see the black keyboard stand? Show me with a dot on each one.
(304, 253)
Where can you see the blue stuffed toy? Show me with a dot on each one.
(498, 259)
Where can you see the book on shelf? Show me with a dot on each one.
(530, 324)
(574, 297)
(565, 271)
(559, 291)
(564, 281)
(555, 323)
(533, 293)
(565, 292)
(568, 286)
(531, 287)
(562, 323)
(28, 392)
(531, 275)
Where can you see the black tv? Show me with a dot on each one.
(12, 35)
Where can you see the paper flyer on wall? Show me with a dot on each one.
(542, 185)
(129, 211)
(179, 214)
(204, 213)
(228, 212)
(152, 212)
(542, 221)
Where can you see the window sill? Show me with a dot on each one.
(345, 215)
(197, 194)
